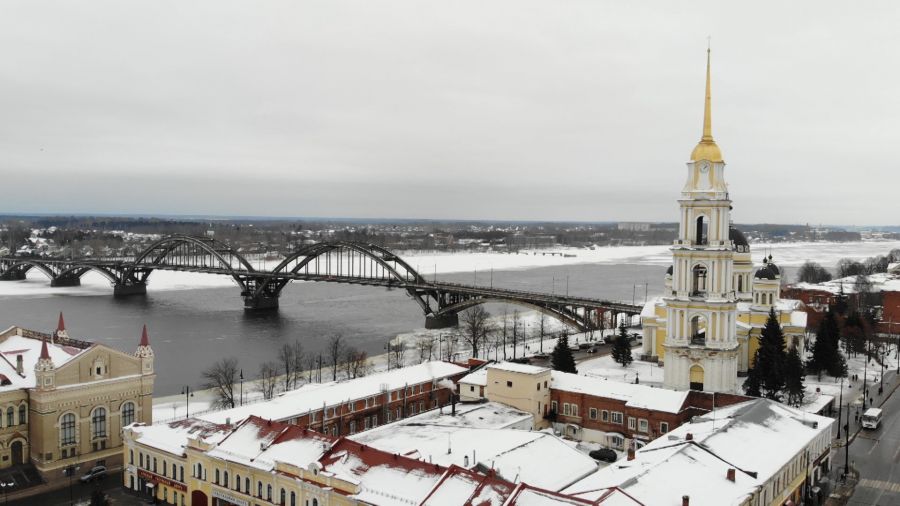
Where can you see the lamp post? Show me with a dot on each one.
(70, 472)
(187, 393)
(6, 485)
(241, 376)
(841, 406)
(865, 385)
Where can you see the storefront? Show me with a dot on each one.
(225, 498)
(161, 487)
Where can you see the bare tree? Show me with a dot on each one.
(335, 351)
(515, 331)
(543, 330)
(268, 378)
(310, 367)
(504, 331)
(357, 363)
(425, 345)
(220, 378)
(452, 343)
(286, 359)
(297, 366)
(476, 326)
(398, 351)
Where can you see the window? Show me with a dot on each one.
(509, 384)
(554, 407)
(352, 426)
(699, 284)
(539, 387)
(259, 489)
(566, 408)
(181, 476)
(574, 409)
(140, 459)
(247, 485)
(592, 413)
(127, 413)
(67, 430)
(632, 423)
(604, 416)
(216, 480)
(283, 497)
(23, 415)
(702, 229)
(98, 423)
(131, 456)
(164, 468)
(10, 417)
(663, 427)
(616, 417)
(545, 384)
(293, 499)
(268, 492)
(643, 425)
(225, 479)
(154, 469)
(471, 388)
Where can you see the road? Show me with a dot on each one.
(876, 454)
(112, 485)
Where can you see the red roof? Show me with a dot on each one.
(62, 323)
(145, 337)
(45, 353)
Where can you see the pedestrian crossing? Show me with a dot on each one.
(889, 486)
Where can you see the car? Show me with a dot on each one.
(604, 454)
(96, 473)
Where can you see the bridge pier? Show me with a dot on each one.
(260, 303)
(123, 290)
(441, 321)
(13, 275)
(67, 281)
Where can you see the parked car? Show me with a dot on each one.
(604, 454)
(96, 473)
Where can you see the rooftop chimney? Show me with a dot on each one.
(20, 367)
(730, 474)
(630, 454)
(689, 437)
(685, 500)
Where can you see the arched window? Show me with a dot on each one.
(259, 489)
(698, 330)
(98, 423)
(67, 430)
(740, 284)
(127, 413)
(696, 377)
(217, 477)
(10, 416)
(293, 499)
(23, 414)
(283, 497)
(315, 502)
(225, 479)
(698, 286)
(268, 492)
(702, 229)
(247, 485)
(237, 482)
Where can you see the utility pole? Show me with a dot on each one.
(840, 407)
(847, 445)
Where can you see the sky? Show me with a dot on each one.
(504, 110)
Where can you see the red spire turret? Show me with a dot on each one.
(145, 337)
(45, 353)
(62, 323)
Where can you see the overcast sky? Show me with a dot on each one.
(555, 110)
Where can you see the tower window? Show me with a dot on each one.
(702, 231)
(698, 286)
(698, 330)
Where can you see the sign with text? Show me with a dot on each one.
(162, 480)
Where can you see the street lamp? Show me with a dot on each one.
(70, 472)
(6, 486)
(840, 407)
(187, 393)
(241, 376)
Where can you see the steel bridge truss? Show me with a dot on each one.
(335, 262)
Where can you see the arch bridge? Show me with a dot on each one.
(332, 262)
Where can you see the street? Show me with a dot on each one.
(112, 485)
(876, 454)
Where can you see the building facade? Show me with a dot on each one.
(66, 401)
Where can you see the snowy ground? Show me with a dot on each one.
(852, 389)
(431, 263)
(646, 373)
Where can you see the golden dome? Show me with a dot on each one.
(707, 149)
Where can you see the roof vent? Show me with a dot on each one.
(689, 437)
(730, 474)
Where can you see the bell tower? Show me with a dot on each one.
(701, 344)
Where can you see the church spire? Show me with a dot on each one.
(707, 148)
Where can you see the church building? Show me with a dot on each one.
(706, 326)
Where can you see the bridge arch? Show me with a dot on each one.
(79, 270)
(350, 262)
(188, 253)
(24, 265)
(560, 315)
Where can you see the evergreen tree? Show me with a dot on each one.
(752, 383)
(771, 358)
(621, 351)
(855, 333)
(561, 359)
(794, 373)
(826, 354)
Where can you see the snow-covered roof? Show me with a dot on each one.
(30, 348)
(260, 443)
(173, 437)
(478, 377)
(878, 282)
(636, 396)
(649, 308)
(518, 368)
(758, 436)
(313, 397)
(484, 415)
(537, 458)
(464, 486)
